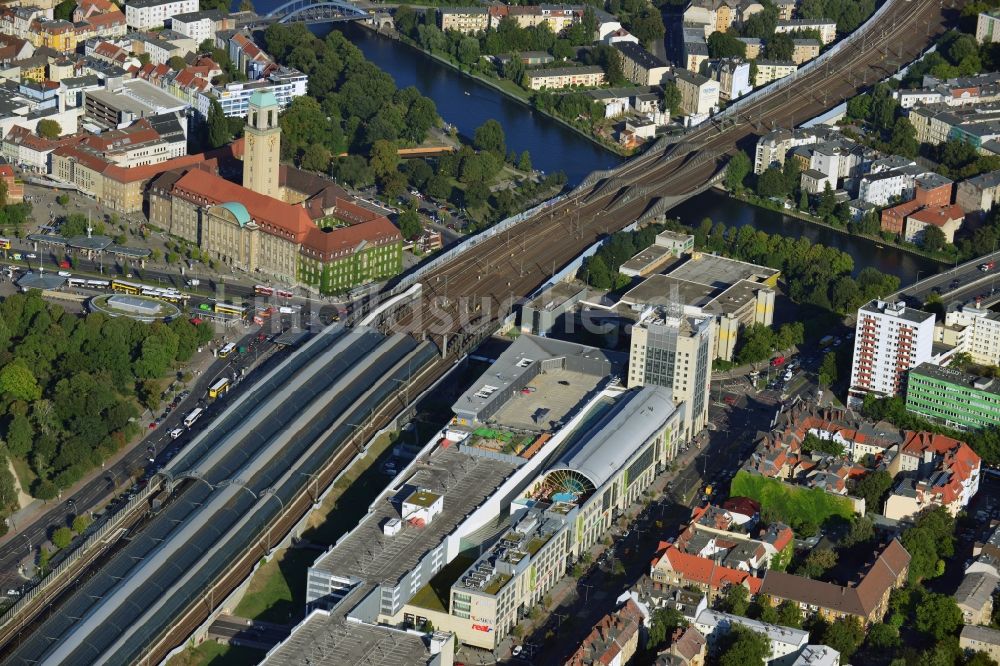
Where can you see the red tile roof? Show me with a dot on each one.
(274, 216)
(608, 637)
(704, 571)
(938, 215)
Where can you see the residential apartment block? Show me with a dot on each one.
(890, 339)
(640, 66)
(784, 642)
(151, 14)
(955, 398)
(975, 331)
(733, 76)
(988, 27)
(284, 83)
(467, 20)
(699, 94)
(977, 195)
(932, 470)
(613, 640)
(202, 25)
(804, 50)
(563, 77)
(772, 70)
(720, 15)
(827, 29)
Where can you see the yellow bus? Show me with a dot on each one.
(226, 350)
(4, 243)
(124, 287)
(218, 388)
(231, 310)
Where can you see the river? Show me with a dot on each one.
(467, 103)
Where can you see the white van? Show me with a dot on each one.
(176, 432)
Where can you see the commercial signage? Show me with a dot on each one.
(482, 627)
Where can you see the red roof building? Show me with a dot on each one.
(613, 640)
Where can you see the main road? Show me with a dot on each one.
(464, 297)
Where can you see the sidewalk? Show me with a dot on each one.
(568, 588)
(27, 515)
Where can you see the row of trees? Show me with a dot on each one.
(814, 273)
(601, 270)
(71, 386)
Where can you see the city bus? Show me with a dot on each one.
(97, 284)
(219, 387)
(77, 282)
(172, 296)
(126, 287)
(193, 416)
(4, 243)
(228, 349)
(263, 290)
(231, 310)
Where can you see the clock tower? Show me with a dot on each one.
(262, 145)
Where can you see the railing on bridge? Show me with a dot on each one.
(310, 11)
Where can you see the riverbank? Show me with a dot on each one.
(878, 241)
(510, 92)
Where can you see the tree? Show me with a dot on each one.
(177, 63)
(933, 239)
(904, 138)
(246, 6)
(49, 129)
(789, 614)
(736, 600)
(725, 45)
(490, 137)
(81, 523)
(743, 647)
(383, 158)
(316, 158)
(813, 443)
(18, 382)
(597, 273)
(62, 537)
(662, 623)
(844, 635)
(873, 487)
(771, 183)
(648, 26)
(862, 531)
(828, 369)
(938, 615)
(524, 161)
(817, 562)
(779, 47)
(468, 50)
(736, 171)
(217, 126)
(671, 98)
(64, 10)
(409, 224)
(827, 202)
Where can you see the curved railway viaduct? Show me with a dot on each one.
(466, 296)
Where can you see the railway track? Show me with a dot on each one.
(485, 281)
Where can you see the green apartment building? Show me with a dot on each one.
(952, 397)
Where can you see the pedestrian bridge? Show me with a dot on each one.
(309, 11)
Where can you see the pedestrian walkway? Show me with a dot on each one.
(567, 590)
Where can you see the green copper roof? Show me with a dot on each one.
(239, 211)
(263, 98)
